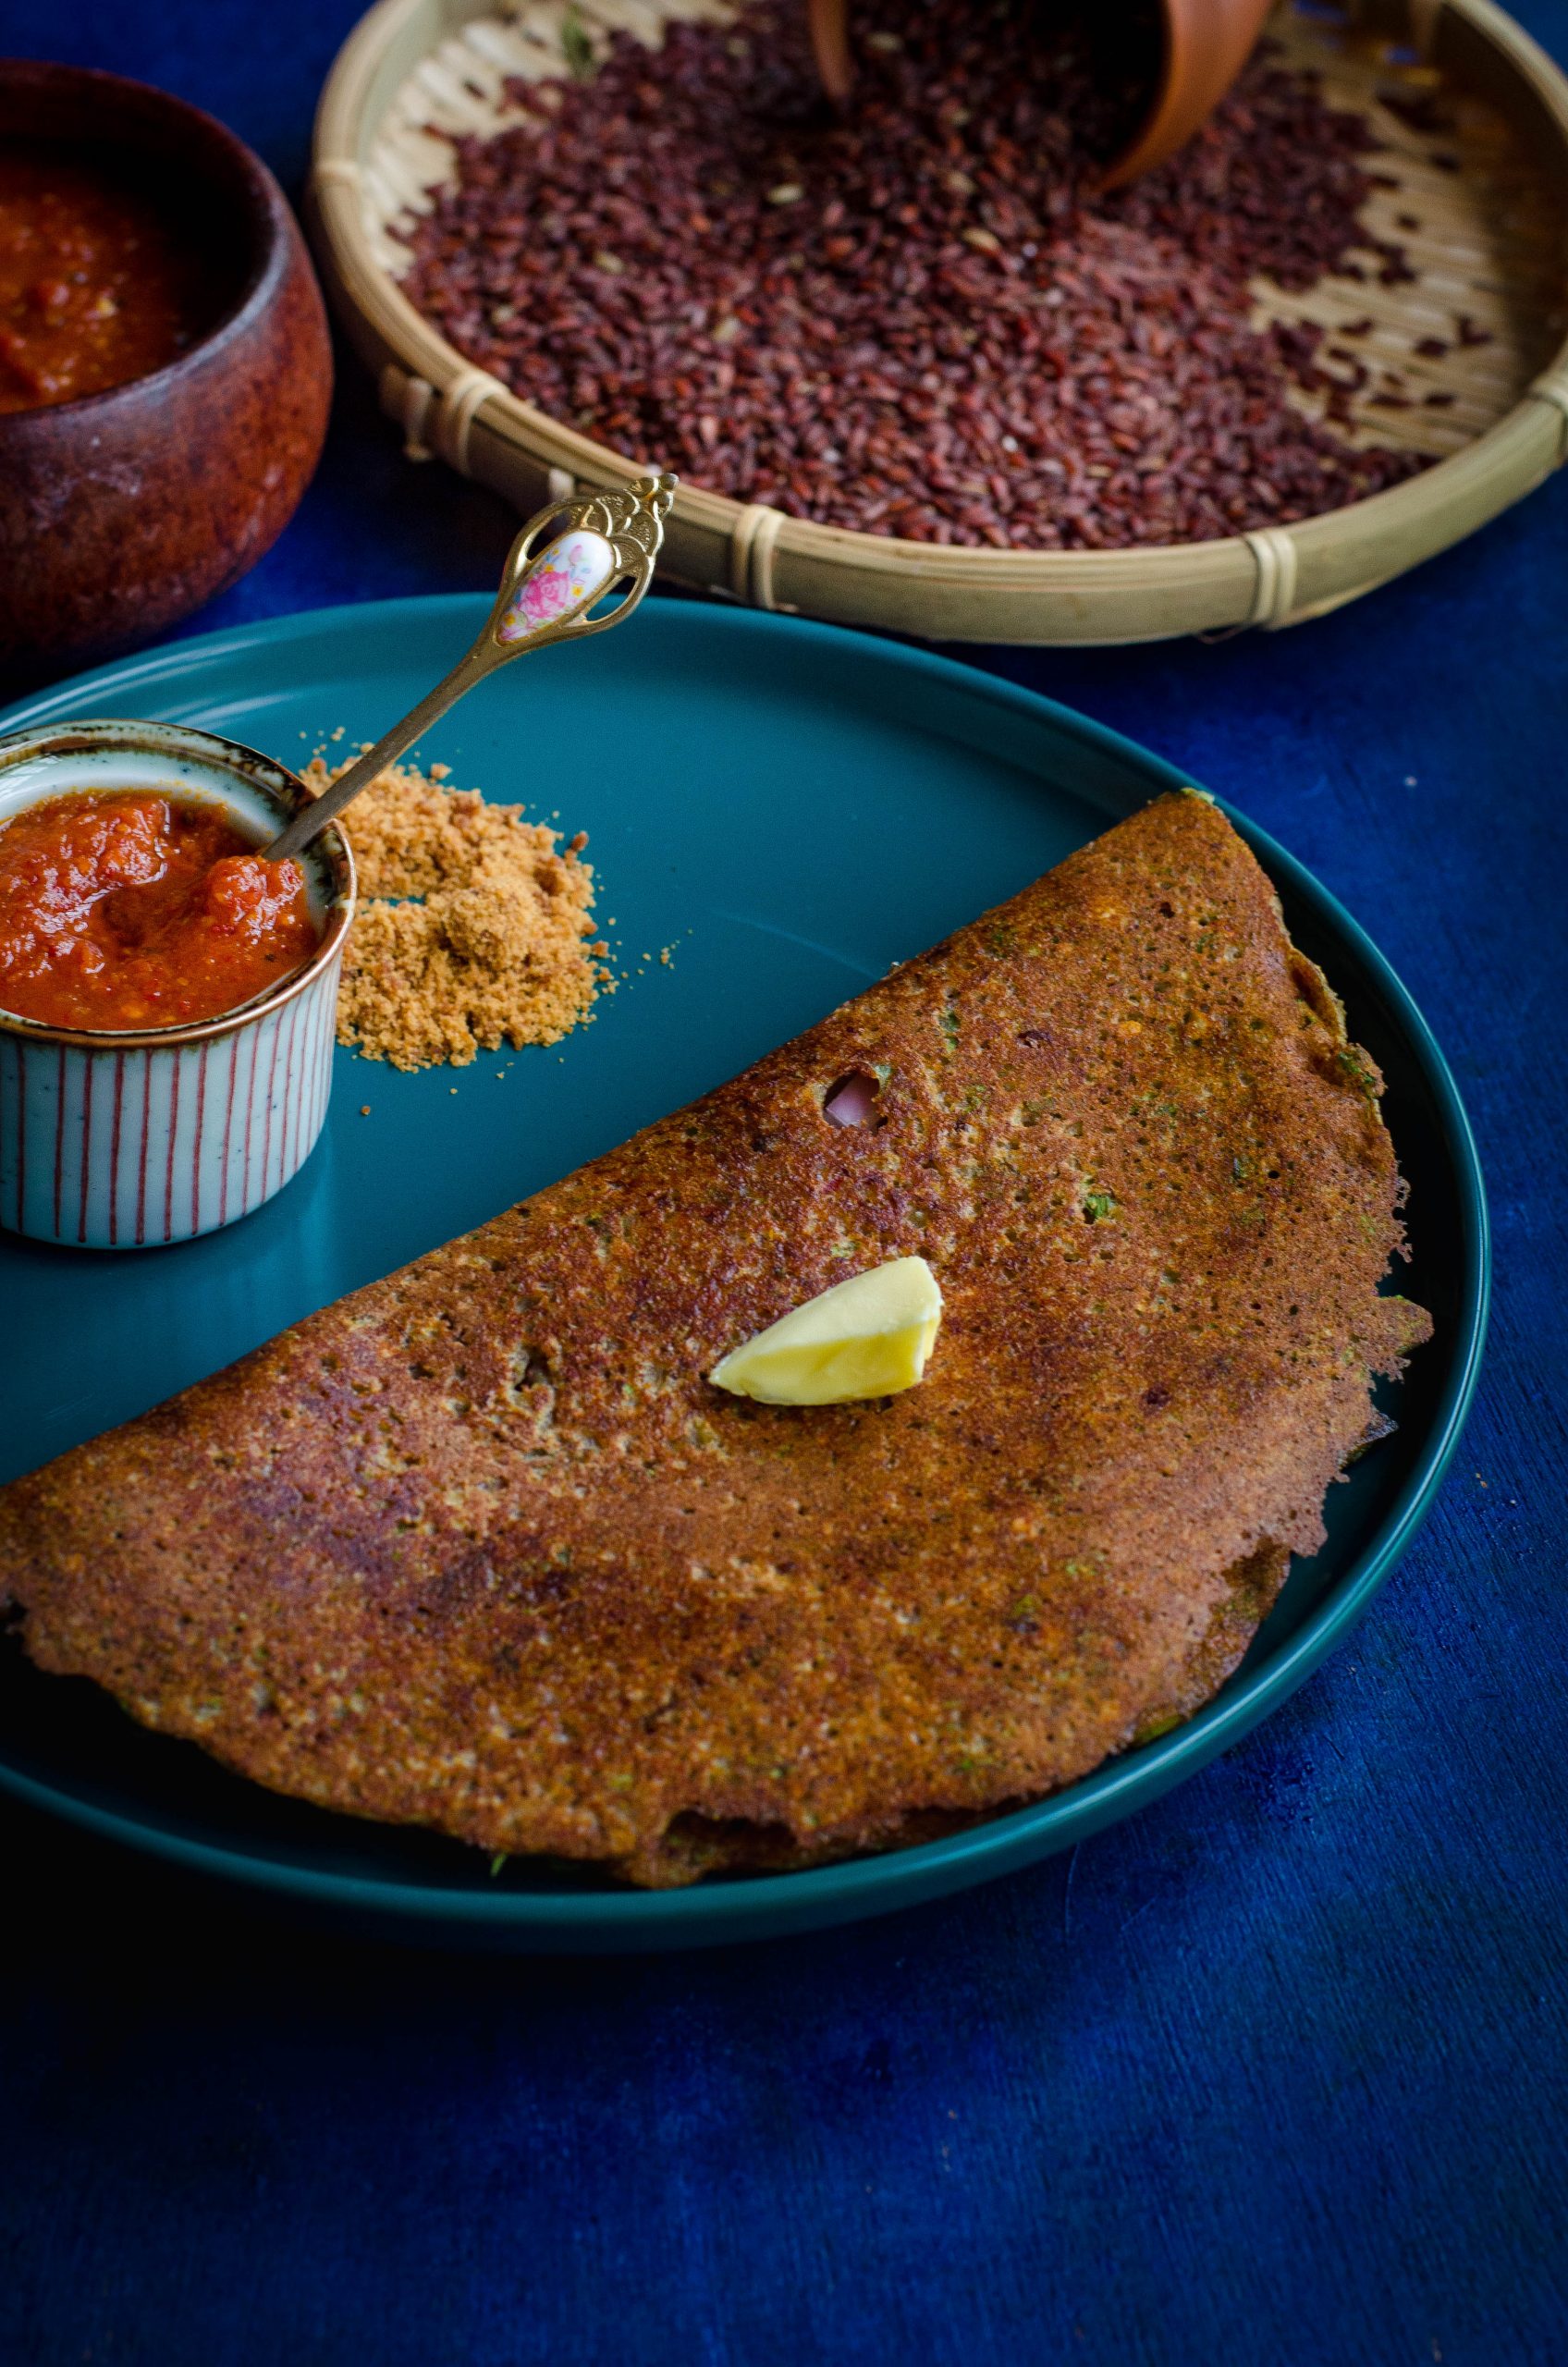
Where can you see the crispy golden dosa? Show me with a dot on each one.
(479, 1547)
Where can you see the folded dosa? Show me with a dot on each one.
(480, 1548)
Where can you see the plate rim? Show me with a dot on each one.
(760, 1906)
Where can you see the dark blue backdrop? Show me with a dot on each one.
(1275, 2072)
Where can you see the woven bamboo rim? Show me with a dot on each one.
(1489, 246)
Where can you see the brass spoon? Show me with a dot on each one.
(611, 538)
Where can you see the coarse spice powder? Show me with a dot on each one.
(475, 927)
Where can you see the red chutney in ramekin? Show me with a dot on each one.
(130, 909)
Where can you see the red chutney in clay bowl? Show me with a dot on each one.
(165, 365)
(167, 995)
(100, 280)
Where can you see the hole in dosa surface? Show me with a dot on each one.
(850, 1099)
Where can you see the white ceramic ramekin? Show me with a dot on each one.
(117, 1140)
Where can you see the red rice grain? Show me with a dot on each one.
(920, 320)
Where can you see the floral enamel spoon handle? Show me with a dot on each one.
(611, 538)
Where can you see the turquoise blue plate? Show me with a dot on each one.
(784, 810)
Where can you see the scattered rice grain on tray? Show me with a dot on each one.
(921, 319)
(474, 928)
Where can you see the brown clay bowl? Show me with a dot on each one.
(123, 512)
(1207, 44)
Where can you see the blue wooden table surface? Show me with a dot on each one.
(1276, 2072)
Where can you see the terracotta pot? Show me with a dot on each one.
(1207, 44)
(124, 511)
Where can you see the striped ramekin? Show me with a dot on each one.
(128, 1140)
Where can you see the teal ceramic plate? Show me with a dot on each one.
(784, 810)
